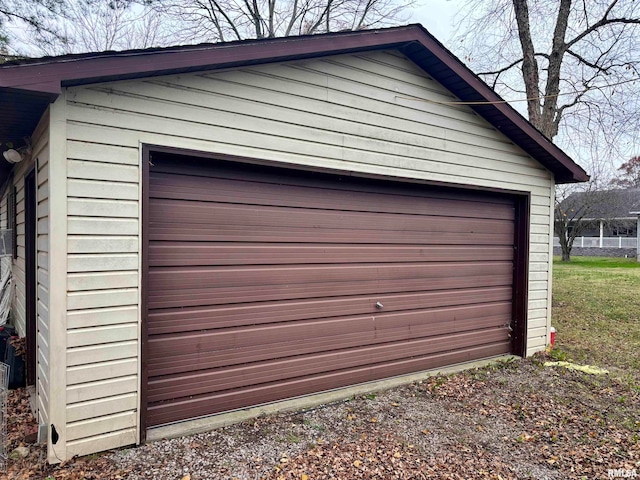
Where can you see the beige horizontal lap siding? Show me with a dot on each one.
(5, 261)
(540, 282)
(39, 147)
(540, 258)
(41, 154)
(103, 296)
(38, 159)
(371, 114)
(18, 268)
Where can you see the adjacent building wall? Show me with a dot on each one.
(18, 314)
(39, 159)
(6, 261)
(374, 113)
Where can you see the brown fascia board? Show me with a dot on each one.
(50, 75)
(53, 73)
(483, 93)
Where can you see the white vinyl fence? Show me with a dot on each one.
(607, 242)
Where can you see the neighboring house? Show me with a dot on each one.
(607, 213)
(208, 228)
(635, 210)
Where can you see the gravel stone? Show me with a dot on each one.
(517, 420)
(512, 420)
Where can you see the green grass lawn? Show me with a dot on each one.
(596, 312)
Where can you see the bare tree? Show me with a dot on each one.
(574, 63)
(577, 205)
(224, 20)
(571, 211)
(628, 174)
(577, 212)
(94, 26)
(576, 67)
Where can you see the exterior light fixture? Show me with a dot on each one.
(12, 156)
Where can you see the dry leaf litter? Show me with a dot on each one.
(517, 420)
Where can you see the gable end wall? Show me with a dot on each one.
(374, 113)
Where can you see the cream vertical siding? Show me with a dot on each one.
(375, 113)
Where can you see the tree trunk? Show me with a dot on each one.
(548, 121)
(566, 255)
(530, 71)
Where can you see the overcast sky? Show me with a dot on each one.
(437, 16)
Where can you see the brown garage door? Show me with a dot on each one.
(265, 284)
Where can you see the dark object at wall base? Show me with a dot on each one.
(16, 365)
(5, 333)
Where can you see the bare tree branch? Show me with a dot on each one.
(99, 26)
(588, 51)
(274, 18)
(601, 23)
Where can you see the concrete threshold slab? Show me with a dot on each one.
(211, 422)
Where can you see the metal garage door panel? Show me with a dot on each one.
(263, 283)
(163, 321)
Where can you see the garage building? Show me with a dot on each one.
(205, 229)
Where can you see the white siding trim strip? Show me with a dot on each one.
(100, 152)
(102, 244)
(102, 189)
(102, 353)
(101, 280)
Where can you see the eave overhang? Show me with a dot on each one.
(27, 88)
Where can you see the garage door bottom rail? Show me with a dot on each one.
(210, 422)
(208, 404)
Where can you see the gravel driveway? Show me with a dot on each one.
(513, 420)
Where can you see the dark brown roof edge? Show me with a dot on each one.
(49, 75)
(486, 93)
